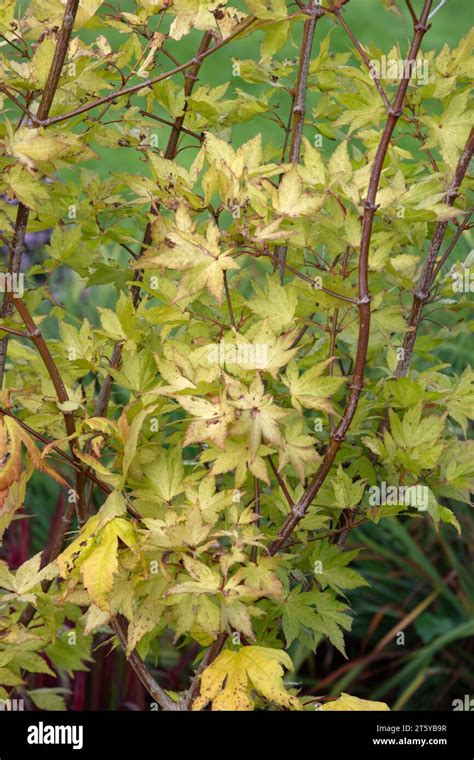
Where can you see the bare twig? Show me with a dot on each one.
(334, 329)
(9, 42)
(256, 509)
(16, 101)
(310, 280)
(426, 278)
(169, 123)
(12, 331)
(229, 301)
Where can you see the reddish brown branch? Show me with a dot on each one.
(412, 12)
(211, 654)
(14, 264)
(132, 89)
(427, 275)
(338, 436)
(301, 87)
(299, 104)
(12, 331)
(462, 227)
(415, 121)
(61, 393)
(191, 76)
(364, 57)
(153, 688)
(334, 328)
(18, 241)
(62, 45)
(281, 482)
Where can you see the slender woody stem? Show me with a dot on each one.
(18, 242)
(61, 393)
(364, 57)
(191, 76)
(131, 89)
(430, 269)
(299, 105)
(451, 246)
(338, 436)
(152, 687)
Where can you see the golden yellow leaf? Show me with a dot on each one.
(347, 702)
(228, 683)
(99, 568)
(10, 454)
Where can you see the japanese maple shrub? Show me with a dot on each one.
(266, 248)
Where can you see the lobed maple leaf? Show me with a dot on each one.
(228, 683)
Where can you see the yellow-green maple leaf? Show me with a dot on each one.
(276, 303)
(211, 423)
(259, 415)
(99, 568)
(228, 683)
(310, 389)
(293, 200)
(201, 258)
(450, 130)
(298, 450)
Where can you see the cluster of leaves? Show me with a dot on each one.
(203, 403)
